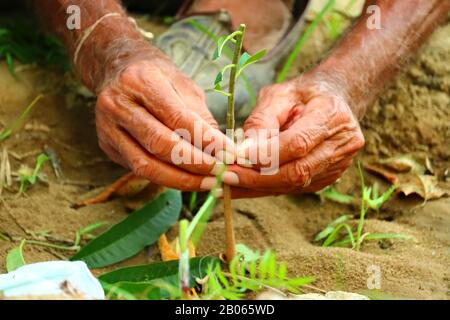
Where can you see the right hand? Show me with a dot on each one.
(137, 112)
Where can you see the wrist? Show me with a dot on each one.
(108, 49)
(339, 81)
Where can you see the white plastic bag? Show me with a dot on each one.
(51, 278)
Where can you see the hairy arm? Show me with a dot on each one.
(317, 113)
(114, 39)
(143, 99)
(367, 58)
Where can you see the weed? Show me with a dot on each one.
(331, 235)
(28, 177)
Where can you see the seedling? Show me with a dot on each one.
(331, 235)
(28, 177)
(235, 69)
(250, 271)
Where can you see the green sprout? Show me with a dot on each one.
(239, 63)
(332, 234)
(27, 176)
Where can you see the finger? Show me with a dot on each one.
(163, 100)
(194, 98)
(159, 140)
(147, 166)
(272, 109)
(298, 173)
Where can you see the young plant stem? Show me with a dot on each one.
(228, 212)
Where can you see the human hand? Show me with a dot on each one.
(137, 112)
(317, 133)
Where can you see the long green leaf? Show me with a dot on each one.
(15, 259)
(162, 271)
(140, 229)
(329, 229)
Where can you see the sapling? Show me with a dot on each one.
(239, 63)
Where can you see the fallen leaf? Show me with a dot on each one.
(409, 176)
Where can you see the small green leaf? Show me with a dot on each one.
(218, 89)
(88, 229)
(10, 64)
(377, 202)
(383, 236)
(221, 44)
(140, 229)
(15, 259)
(198, 224)
(219, 78)
(329, 229)
(332, 194)
(247, 60)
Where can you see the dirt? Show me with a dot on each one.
(411, 116)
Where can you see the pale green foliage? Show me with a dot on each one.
(249, 271)
(245, 60)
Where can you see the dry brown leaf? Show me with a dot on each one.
(408, 175)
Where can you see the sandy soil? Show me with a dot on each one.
(411, 116)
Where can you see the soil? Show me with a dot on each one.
(411, 116)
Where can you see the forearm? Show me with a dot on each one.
(111, 42)
(366, 59)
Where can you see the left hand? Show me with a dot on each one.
(318, 137)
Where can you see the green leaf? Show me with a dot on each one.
(377, 203)
(332, 237)
(247, 60)
(218, 88)
(332, 194)
(10, 64)
(162, 271)
(88, 229)
(140, 229)
(221, 44)
(329, 229)
(134, 291)
(383, 236)
(15, 259)
(41, 159)
(198, 224)
(247, 254)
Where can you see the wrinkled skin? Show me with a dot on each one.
(143, 98)
(137, 113)
(319, 136)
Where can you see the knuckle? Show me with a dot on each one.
(359, 140)
(299, 174)
(299, 144)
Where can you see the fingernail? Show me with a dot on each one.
(231, 178)
(244, 163)
(208, 183)
(218, 193)
(225, 157)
